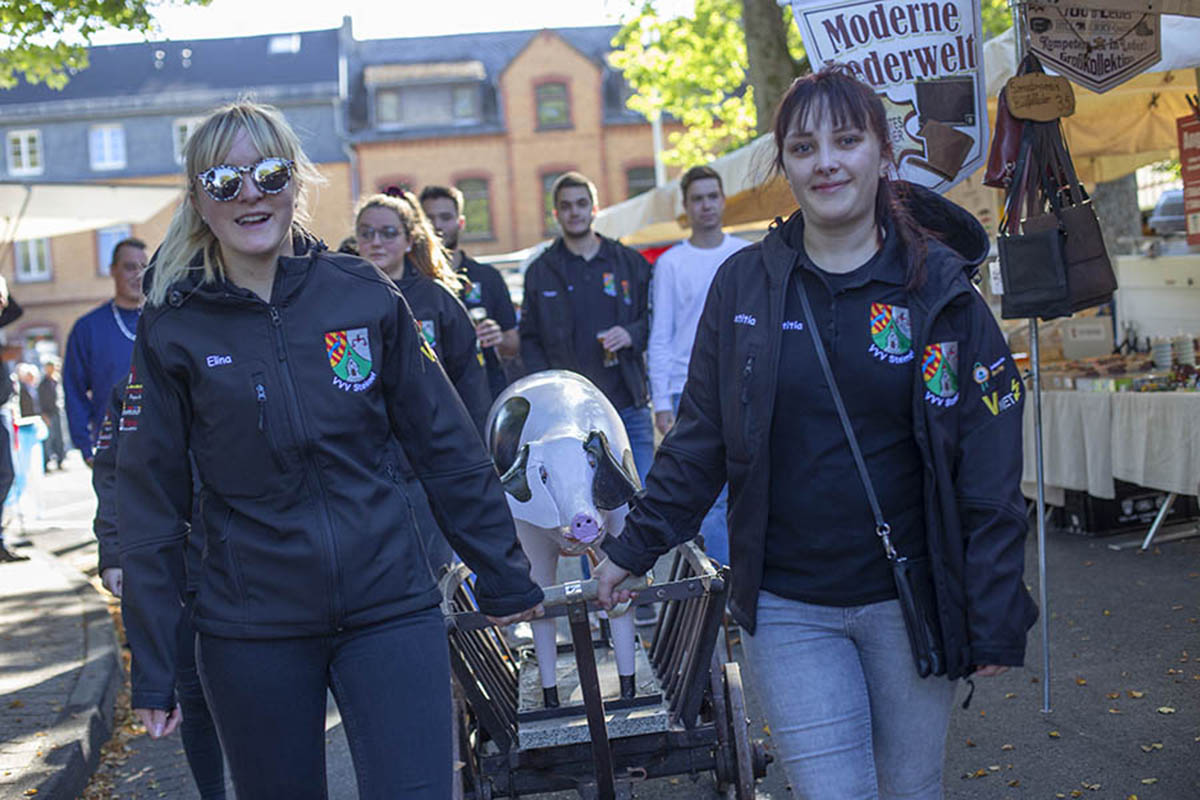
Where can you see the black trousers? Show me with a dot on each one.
(6, 466)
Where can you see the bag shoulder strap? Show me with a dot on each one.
(882, 529)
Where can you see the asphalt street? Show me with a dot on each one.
(1125, 678)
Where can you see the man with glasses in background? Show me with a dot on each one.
(100, 347)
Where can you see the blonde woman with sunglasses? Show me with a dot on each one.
(301, 385)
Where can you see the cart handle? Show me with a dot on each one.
(572, 591)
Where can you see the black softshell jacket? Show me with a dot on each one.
(455, 342)
(970, 443)
(548, 327)
(301, 456)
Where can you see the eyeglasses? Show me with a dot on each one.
(387, 233)
(224, 181)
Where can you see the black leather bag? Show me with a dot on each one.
(913, 576)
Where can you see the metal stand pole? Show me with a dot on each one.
(1019, 43)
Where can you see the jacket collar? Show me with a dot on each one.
(292, 272)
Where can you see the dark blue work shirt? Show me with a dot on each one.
(593, 292)
(488, 290)
(821, 545)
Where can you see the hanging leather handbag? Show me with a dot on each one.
(1090, 277)
(1006, 146)
(913, 576)
(1033, 264)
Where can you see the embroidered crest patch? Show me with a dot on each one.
(429, 331)
(891, 333)
(610, 284)
(625, 293)
(474, 295)
(939, 369)
(349, 353)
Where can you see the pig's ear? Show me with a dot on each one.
(514, 480)
(504, 436)
(614, 483)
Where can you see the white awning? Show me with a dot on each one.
(41, 210)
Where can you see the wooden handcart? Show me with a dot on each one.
(689, 716)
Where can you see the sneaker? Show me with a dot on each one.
(8, 556)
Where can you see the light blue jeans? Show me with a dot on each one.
(640, 428)
(715, 525)
(849, 717)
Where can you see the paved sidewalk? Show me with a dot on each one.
(58, 676)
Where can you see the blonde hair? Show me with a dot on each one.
(427, 253)
(211, 142)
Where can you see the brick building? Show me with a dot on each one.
(499, 115)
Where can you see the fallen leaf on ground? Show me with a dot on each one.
(1135, 694)
(1149, 781)
(1081, 681)
(1014, 783)
(1055, 734)
(994, 768)
(1166, 710)
(1010, 695)
(1006, 747)
(970, 743)
(1091, 787)
(1113, 695)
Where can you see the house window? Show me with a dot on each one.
(427, 105)
(477, 208)
(553, 108)
(25, 152)
(639, 180)
(106, 144)
(33, 260)
(106, 240)
(181, 130)
(550, 225)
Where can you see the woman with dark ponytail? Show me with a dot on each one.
(872, 275)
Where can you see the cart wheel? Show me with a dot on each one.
(724, 770)
(739, 726)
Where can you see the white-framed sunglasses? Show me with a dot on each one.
(224, 181)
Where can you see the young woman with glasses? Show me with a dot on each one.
(393, 233)
(300, 383)
(874, 273)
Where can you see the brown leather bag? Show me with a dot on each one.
(1006, 146)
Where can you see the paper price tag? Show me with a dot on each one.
(995, 282)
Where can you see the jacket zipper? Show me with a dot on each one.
(399, 482)
(260, 395)
(747, 376)
(774, 340)
(335, 604)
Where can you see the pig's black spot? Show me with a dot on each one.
(506, 430)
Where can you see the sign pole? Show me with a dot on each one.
(1020, 42)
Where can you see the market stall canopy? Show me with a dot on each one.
(41, 210)
(1110, 135)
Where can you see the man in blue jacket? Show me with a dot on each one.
(100, 346)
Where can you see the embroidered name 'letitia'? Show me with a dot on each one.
(745, 319)
(349, 354)
(793, 325)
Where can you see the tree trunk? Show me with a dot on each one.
(1116, 204)
(771, 69)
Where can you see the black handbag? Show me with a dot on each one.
(913, 576)
(1033, 264)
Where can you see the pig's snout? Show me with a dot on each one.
(584, 527)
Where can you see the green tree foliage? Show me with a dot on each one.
(46, 40)
(695, 70)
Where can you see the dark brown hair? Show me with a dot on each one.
(130, 241)
(834, 90)
(572, 178)
(450, 193)
(699, 173)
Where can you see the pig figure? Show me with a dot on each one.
(564, 459)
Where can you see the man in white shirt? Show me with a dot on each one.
(682, 276)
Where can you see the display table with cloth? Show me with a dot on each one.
(1151, 439)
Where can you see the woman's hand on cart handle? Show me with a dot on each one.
(159, 723)
(989, 671)
(607, 576)
(523, 616)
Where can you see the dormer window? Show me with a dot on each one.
(553, 106)
(426, 95)
(286, 43)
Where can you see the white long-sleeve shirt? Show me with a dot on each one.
(682, 276)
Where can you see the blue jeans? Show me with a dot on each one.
(200, 743)
(715, 525)
(639, 426)
(849, 716)
(391, 681)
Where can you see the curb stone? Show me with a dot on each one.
(86, 721)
